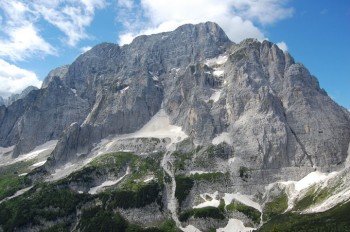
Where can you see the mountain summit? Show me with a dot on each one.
(225, 122)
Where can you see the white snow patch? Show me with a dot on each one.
(23, 174)
(64, 171)
(244, 199)
(212, 202)
(311, 178)
(235, 225)
(198, 172)
(347, 161)
(41, 152)
(294, 188)
(218, 73)
(159, 127)
(148, 179)
(341, 197)
(38, 164)
(107, 183)
(223, 137)
(18, 193)
(190, 228)
(74, 91)
(216, 95)
(80, 192)
(231, 160)
(125, 89)
(220, 60)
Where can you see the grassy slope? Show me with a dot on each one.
(335, 219)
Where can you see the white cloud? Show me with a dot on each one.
(237, 17)
(85, 49)
(71, 19)
(283, 46)
(22, 23)
(125, 3)
(22, 42)
(19, 34)
(14, 79)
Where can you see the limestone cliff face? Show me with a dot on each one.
(253, 96)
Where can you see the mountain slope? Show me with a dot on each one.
(227, 125)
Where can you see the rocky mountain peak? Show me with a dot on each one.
(214, 89)
(175, 125)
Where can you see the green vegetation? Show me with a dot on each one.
(206, 212)
(105, 165)
(218, 151)
(210, 177)
(144, 195)
(10, 182)
(221, 206)
(181, 160)
(207, 157)
(113, 160)
(43, 202)
(97, 219)
(275, 207)
(141, 167)
(57, 204)
(243, 173)
(169, 226)
(334, 220)
(61, 227)
(312, 197)
(250, 212)
(184, 185)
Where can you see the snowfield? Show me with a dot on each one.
(223, 137)
(107, 183)
(40, 153)
(157, 127)
(235, 225)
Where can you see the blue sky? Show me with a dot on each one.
(39, 35)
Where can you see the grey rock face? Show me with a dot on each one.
(39, 117)
(2, 102)
(57, 72)
(15, 97)
(270, 110)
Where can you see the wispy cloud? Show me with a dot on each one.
(85, 49)
(239, 18)
(22, 42)
(71, 19)
(283, 46)
(14, 79)
(22, 26)
(20, 36)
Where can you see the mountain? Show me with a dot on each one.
(2, 101)
(15, 97)
(23, 94)
(183, 129)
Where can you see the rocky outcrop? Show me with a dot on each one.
(2, 101)
(57, 72)
(269, 110)
(39, 117)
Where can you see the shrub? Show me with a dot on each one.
(98, 219)
(205, 212)
(183, 187)
(250, 212)
(275, 207)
